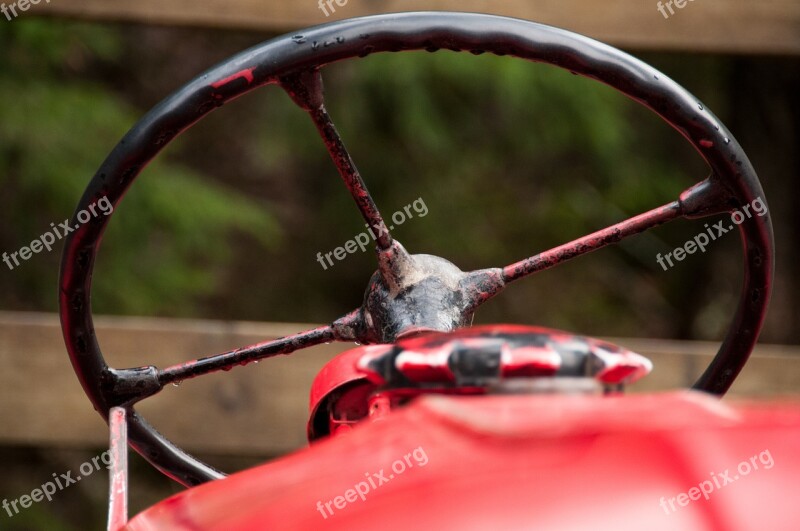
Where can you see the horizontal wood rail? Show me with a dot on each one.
(735, 26)
(254, 410)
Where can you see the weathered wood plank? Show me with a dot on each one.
(741, 26)
(255, 410)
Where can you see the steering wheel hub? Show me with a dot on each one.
(411, 294)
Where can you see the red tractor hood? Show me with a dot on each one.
(668, 461)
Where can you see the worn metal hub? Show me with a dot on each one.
(410, 294)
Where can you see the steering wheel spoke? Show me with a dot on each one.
(592, 242)
(708, 197)
(343, 329)
(306, 89)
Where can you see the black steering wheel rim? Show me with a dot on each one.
(321, 45)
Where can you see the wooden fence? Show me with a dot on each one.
(254, 410)
(739, 26)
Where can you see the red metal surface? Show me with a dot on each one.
(247, 74)
(339, 373)
(353, 386)
(524, 351)
(545, 462)
(118, 471)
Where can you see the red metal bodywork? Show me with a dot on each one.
(521, 462)
(372, 380)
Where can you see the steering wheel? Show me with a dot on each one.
(409, 293)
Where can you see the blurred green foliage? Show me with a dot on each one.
(173, 243)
